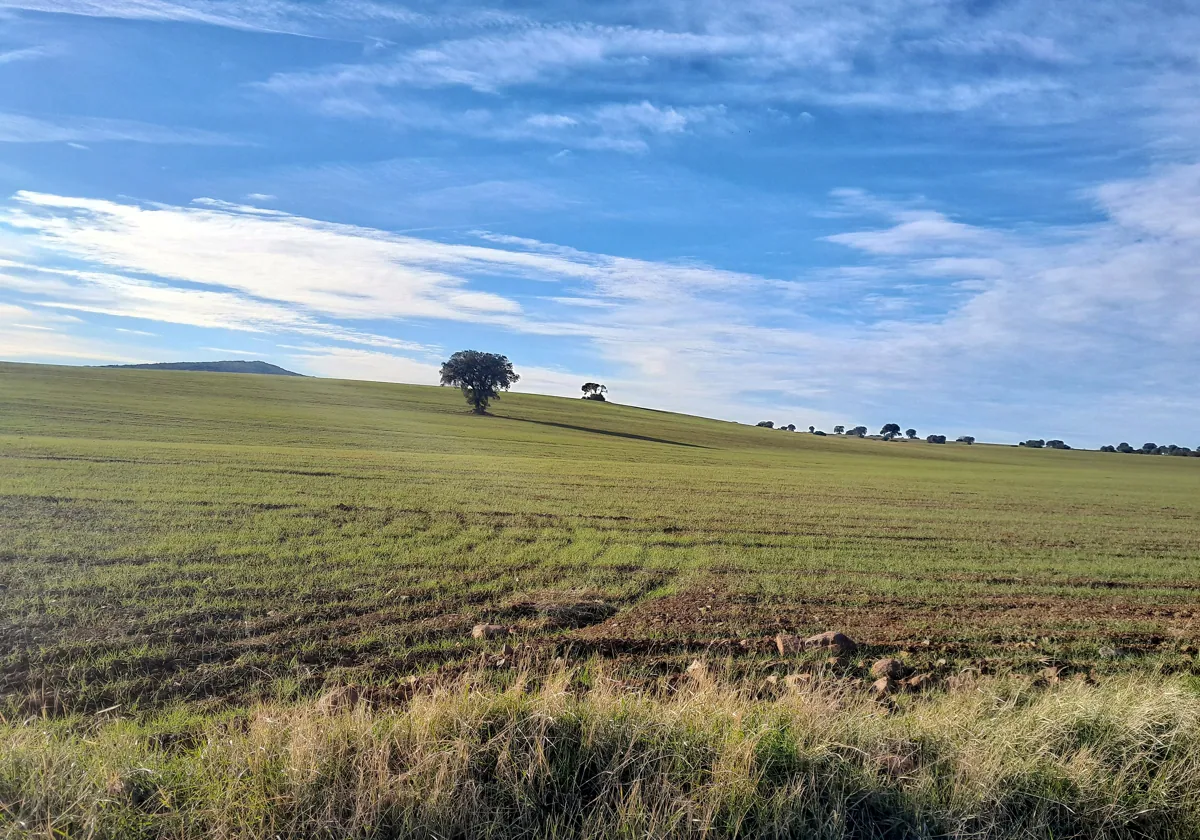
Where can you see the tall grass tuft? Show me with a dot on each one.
(551, 759)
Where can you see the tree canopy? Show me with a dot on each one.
(594, 391)
(481, 376)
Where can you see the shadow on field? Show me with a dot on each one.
(607, 432)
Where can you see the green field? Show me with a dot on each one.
(206, 542)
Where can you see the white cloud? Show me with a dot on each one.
(28, 333)
(372, 365)
(17, 128)
(24, 54)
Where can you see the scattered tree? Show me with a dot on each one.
(819, 433)
(766, 424)
(1124, 447)
(890, 428)
(967, 439)
(859, 431)
(1034, 444)
(911, 434)
(594, 391)
(1056, 444)
(811, 429)
(481, 376)
(791, 427)
(936, 439)
(839, 430)
(1149, 447)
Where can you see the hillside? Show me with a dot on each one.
(229, 366)
(262, 590)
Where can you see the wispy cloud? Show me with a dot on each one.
(18, 128)
(25, 54)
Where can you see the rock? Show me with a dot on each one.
(698, 671)
(891, 668)
(1108, 652)
(788, 644)
(1051, 674)
(882, 687)
(340, 699)
(921, 682)
(488, 631)
(840, 641)
(772, 680)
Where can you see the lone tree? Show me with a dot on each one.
(594, 391)
(911, 434)
(890, 428)
(479, 375)
(839, 430)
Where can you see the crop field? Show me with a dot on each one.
(221, 538)
(242, 606)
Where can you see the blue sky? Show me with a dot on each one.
(972, 217)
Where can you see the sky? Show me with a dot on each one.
(966, 216)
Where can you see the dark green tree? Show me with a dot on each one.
(481, 376)
(594, 391)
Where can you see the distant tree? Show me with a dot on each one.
(893, 428)
(811, 429)
(766, 424)
(889, 435)
(1149, 447)
(1034, 444)
(791, 427)
(859, 431)
(967, 439)
(594, 391)
(839, 430)
(1108, 449)
(481, 376)
(936, 439)
(1056, 444)
(911, 434)
(1124, 447)
(819, 433)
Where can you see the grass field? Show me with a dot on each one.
(198, 544)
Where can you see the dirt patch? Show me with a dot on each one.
(900, 622)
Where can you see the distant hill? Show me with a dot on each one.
(214, 367)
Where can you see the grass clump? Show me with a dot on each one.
(999, 759)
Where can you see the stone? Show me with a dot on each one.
(921, 682)
(788, 644)
(796, 682)
(489, 631)
(831, 639)
(882, 687)
(891, 667)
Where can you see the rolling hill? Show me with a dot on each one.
(229, 366)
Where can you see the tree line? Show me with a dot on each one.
(482, 376)
(891, 431)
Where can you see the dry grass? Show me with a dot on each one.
(578, 755)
